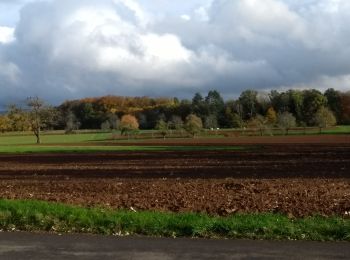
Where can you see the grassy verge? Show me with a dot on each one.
(10, 149)
(44, 216)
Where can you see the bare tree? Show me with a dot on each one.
(258, 122)
(286, 121)
(40, 116)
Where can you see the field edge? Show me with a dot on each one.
(38, 216)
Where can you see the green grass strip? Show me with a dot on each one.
(12, 149)
(53, 217)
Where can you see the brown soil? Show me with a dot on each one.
(295, 179)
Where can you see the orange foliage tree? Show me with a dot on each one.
(128, 123)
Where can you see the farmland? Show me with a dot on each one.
(297, 176)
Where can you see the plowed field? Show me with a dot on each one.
(295, 179)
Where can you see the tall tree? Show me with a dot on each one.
(248, 100)
(334, 102)
(313, 101)
(199, 106)
(345, 107)
(295, 105)
(214, 101)
(215, 108)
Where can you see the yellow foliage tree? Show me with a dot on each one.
(271, 116)
(5, 124)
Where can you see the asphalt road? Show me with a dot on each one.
(47, 246)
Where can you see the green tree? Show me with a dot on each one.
(232, 119)
(199, 106)
(345, 107)
(334, 102)
(193, 124)
(313, 101)
(162, 126)
(296, 98)
(324, 118)
(248, 101)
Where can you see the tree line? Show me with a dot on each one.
(255, 109)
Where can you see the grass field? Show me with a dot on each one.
(60, 142)
(43, 216)
(91, 149)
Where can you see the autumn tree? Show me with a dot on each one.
(286, 121)
(324, 118)
(4, 123)
(258, 122)
(18, 118)
(271, 116)
(128, 123)
(193, 124)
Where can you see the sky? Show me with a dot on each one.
(64, 49)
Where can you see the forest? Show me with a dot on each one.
(288, 109)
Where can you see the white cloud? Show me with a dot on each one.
(6, 34)
(185, 17)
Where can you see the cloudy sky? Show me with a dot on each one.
(64, 49)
